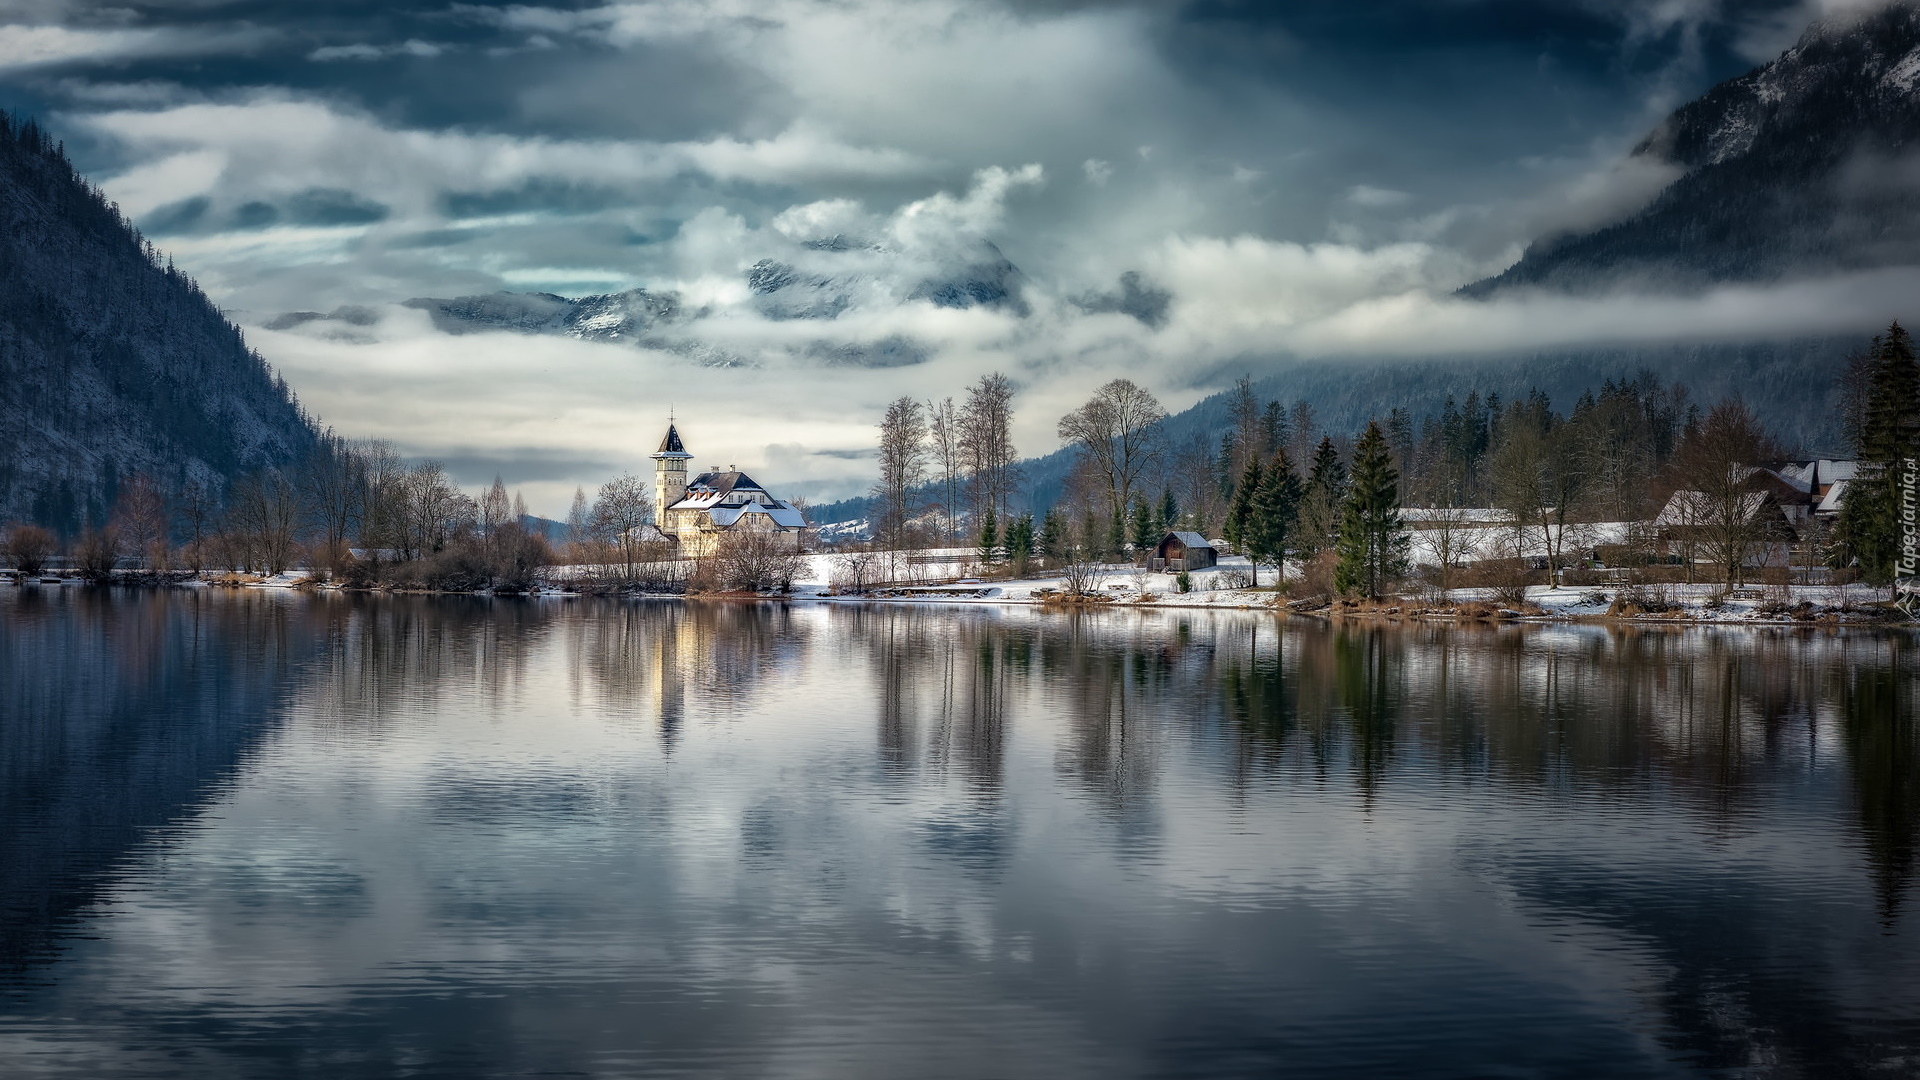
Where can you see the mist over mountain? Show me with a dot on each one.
(1806, 165)
(817, 281)
(113, 363)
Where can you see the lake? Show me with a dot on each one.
(258, 833)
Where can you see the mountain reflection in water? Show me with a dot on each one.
(259, 833)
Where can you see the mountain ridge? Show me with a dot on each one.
(112, 362)
(1809, 163)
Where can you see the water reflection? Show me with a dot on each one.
(360, 836)
(119, 716)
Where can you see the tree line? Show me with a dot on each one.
(1276, 487)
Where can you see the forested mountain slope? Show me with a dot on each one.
(1809, 164)
(112, 363)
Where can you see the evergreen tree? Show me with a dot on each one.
(1276, 510)
(1372, 543)
(1092, 538)
(1117, 531)
(1273, 427)
(1020, 541)
(1146, 530)
(989, 538)
(1886, 435)
(1052, 541)
(1240, 511)
(1169, 510)
(1320, 506)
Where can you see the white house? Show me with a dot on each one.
(697, 513)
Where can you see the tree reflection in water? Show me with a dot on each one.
(926, 782)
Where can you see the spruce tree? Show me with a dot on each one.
(1320, 506)
(1276, 510)
(1020, 541)
(1052, 541)
(1145, 529)
(989, 538)
(1240, 511)
(1169, 510)
(1887, 435)
(1273, 427)
(1372, 544)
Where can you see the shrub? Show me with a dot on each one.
(95, 553)
(1183, 582)
(28, 547)
(1233, 578)
(518, 558)
(1316, 576)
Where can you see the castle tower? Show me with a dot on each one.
(669, 477)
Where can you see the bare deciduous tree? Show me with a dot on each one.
(1712, 470)
(986, 445)
(624, 505)
(140, 520)
(1118, 430)
(903, 462)
(757, 560)
(950, 470)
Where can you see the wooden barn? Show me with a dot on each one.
(1179, 551)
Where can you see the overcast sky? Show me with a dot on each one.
(1307, 178)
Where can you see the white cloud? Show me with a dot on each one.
(940, 217)
(1098, 172)
(35, 46)
(412, 47)
(276, 145)
(1375, 198)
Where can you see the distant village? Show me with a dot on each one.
(1635, 487)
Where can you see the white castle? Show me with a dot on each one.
(697, 514)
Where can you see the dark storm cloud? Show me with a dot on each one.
(1314, 176)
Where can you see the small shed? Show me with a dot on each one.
(1179, 551)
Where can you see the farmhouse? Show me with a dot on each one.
(1179, 551)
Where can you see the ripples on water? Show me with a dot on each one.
(259, 834)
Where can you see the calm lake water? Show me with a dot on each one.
(262, 834)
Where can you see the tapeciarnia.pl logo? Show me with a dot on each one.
(1906, 571)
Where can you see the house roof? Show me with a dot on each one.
(1690, 508)
(672, 444)
(1188, 540)
(723, 484)
(781, 514)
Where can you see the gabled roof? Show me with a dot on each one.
(1188, 540)
(1692, 508)
(722, 483)
(671, 444)
(781, 514)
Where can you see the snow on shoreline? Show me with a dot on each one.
(1125, 586)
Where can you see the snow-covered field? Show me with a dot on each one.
(930, 578)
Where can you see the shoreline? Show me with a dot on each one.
(1471, 612)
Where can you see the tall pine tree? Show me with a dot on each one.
(1372, 544)
(1276, 509)
(1320, 506)
(1240, 511)
(1886, 435)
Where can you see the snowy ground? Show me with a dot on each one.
(1122, 582)
(1715, 603)
(1219, 588)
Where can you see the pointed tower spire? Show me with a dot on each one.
(669, 477)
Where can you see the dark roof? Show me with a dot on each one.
(724, 482)
(1189, 540)
(671, 444)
